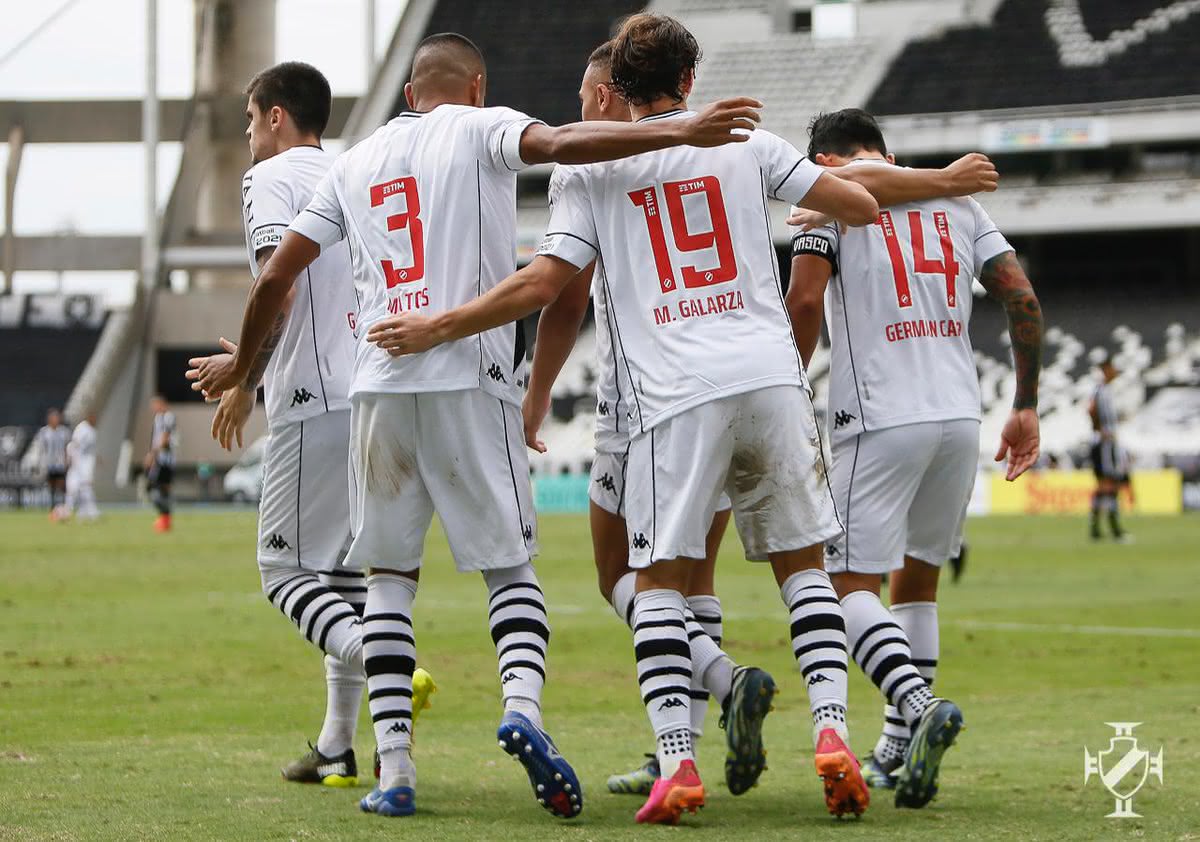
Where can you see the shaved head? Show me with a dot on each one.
(447, 67)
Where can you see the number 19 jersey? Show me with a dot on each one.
(428, 205)
(897, 306)
(691, 274)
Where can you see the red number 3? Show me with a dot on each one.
(409, 219)
(717, 237)
(921, 264)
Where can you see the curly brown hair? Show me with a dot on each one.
(652, 56)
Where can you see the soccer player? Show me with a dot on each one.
(718, 400)
(305, 365)
(904, 411)
(160, 460)
(427, 207)
(745, 694)
(1105, 455)
(81, 470)
(52, 452)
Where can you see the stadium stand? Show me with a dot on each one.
(1054, 53)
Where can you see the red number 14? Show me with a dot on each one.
(921, 264)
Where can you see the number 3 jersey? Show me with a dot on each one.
(691, 276)
(897, 307)
(428, 205)
(309, 372)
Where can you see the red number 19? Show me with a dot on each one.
(921, 264)
(685, 240)
(410, 219)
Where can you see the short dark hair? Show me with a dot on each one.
(299, 89)
(844, 133)
(602, 55)
(651, 55)
(444, 48)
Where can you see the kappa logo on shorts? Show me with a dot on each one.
(602, 408)
(671, 702)
(528, 533)
(277, 542)
(509, 676)
(831, 551)
(301, 396)
(399, 728)
(496, 373)
(841, 418)
(817, 678)
(607, 483)
(639, 541)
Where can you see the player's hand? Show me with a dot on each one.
(807, 219)
(1019, 442)
(214, 374)
(724, 121)
(404, 333)
(233, 412)
(972, 173)
(533, 413)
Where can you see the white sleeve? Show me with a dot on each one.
(323, 221)
(267, 209)
(789, 174)
(500, 137)
(571, 235)
(989, 242)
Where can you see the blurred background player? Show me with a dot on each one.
(304, 515)
(160, 461)
(1106, 455)
(52, 454)
(904, 414)
(558, 328)
(442, 432)
(81, 471)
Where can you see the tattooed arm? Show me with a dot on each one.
(1005, 281)
(259, 364)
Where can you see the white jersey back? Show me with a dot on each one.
(692, 277)
(309, 373)
(897, 306)
(82, 450)
(612, 410)
(428, 205)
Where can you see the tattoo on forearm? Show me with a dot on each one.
(264, 354)
(1006, 282)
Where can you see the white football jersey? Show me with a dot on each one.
(82, 450)
(692, 278)
(612, 411)
(897, 307)
(428, 205)
(309, 373)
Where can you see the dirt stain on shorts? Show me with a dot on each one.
(389, 465)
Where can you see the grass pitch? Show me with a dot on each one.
(148, 691)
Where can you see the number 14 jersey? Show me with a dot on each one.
(897, 306)
(428, 205)
(691, 274)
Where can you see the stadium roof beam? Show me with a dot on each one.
(120, 120)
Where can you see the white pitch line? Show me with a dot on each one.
(1065, 628)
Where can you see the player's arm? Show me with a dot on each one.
(518, 295)
(811, 269)
(558, 328)
(722, 122)
(1005, 280)
(890, 185)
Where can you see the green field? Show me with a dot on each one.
(148, 691)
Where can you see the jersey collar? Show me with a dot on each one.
(672, 113)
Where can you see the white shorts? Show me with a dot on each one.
(761, 447)
(902, 491)
(607, 488)
(304, 516)
(460, 454)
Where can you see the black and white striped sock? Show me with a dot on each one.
(389, 656)
(819, 644)
(880, 646)
(521, 631)
(704, 627)
(344, 683)
(322, 616)
(664, 668)
(920, 623)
